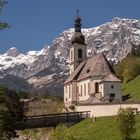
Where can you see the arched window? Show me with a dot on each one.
(79, 53)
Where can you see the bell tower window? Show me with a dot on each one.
(80, 53)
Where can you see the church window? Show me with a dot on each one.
(112, 86)
(88, 70)
(79, 53)
(66, 99)
(88, 88)
(81, 90)
(69, 92)
(85, 89)
(96, 87)
(78, 90)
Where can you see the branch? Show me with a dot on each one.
(4, 25)
(2, 3)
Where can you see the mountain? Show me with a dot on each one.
(48, 68)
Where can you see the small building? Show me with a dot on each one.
(90, 78)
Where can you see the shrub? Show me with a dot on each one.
(58, 133)
(126, 123)
(72, 107)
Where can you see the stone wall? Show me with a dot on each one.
(107, 109)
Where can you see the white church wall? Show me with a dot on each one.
(101, 89)
(83, 90)
(67, 94)
(72, 55)
(111, 109)
(74, 91)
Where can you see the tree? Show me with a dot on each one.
(129, 67)
(11, 113)
(126, 123)
(3, 24)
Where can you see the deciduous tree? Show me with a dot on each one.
(126, 123)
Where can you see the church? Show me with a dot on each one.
(91, 80)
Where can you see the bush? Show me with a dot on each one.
(72, 107)
(126, 123)
(58, 133)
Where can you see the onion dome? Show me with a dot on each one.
(78, 37)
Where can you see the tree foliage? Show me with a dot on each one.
(2, 3)
(3, 24)
(126, 123)
(129, 67)
(11, 113)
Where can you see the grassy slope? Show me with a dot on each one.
(132, 87)
(104, 128)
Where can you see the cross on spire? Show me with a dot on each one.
(78, 23)
(78, 37)
(77, 13)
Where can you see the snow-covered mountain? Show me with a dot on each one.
(49, 67)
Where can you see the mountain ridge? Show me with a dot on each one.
(43, 68)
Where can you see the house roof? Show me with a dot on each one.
(75, 73)
(110, 77)
(96, 65)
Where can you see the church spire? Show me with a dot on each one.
(78, 37)
(77, 23)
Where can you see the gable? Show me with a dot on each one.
(96, 65)
(75, 73)
(111, 78)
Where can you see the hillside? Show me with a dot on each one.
(103, 129)
(133, 88)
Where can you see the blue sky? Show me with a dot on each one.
(35, 23)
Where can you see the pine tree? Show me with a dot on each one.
(11, 113)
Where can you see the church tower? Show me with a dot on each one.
(78, 51)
